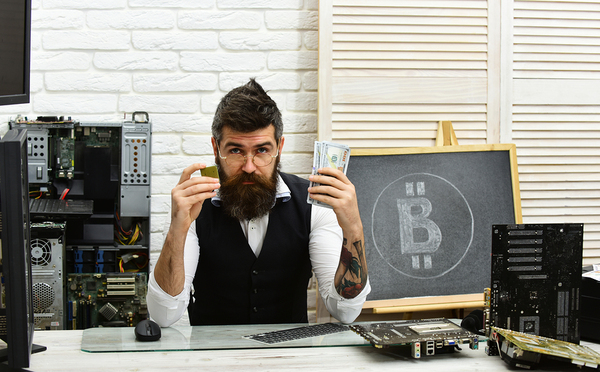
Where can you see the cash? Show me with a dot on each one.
(328, 155)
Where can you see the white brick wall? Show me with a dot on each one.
(98, 60)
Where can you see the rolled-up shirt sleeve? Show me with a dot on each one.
(325, 248)
(163, 308)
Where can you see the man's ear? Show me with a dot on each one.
(281, 141)
(213, 141)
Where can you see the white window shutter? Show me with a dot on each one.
(556, 114)
(523, 72)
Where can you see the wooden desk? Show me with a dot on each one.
(64, 354)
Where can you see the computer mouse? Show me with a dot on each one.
(147, 330)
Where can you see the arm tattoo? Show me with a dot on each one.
(355, 277)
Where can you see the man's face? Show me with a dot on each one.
(247, 190)
(247, 144)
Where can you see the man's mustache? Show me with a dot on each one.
(245, 177)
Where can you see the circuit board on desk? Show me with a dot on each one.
(426, 336)
(524, 350)
(106, 300)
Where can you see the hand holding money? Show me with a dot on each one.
(328, 155)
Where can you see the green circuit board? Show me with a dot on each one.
(522, 349)
(106, 300)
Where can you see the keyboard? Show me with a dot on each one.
(298, 333)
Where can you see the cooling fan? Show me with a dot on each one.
(41, 252)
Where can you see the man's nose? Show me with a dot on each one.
(249, 166)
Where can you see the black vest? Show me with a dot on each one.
(233, 286)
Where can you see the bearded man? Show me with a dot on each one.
(242, 250)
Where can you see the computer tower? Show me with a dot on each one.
(47, 270)
(95, 178)
(590, 305)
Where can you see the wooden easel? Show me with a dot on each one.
(445, 134)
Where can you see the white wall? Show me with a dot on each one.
(98, 60)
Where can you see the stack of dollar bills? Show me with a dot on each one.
(332, 155)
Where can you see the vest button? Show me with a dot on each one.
(255, 290)
(255, 309)
(255, 272)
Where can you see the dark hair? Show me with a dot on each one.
(245, 109)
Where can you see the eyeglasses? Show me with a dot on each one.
(260, 160)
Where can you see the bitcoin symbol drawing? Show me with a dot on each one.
(434, 230)
(410, 222)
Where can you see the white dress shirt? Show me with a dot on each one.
(324, 248)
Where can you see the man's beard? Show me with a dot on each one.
(246, 202)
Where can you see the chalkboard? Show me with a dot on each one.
(427, 215)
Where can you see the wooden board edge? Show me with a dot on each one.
(432, 149)
(428, 300)
(429, 307)
(514, 170)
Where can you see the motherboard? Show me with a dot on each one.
(106, 300)
(425, 337)
(536, 279)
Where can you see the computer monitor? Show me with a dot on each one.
(16, 317)
(15, 54)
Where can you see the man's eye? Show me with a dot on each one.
(235, 151)
(262, 150)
